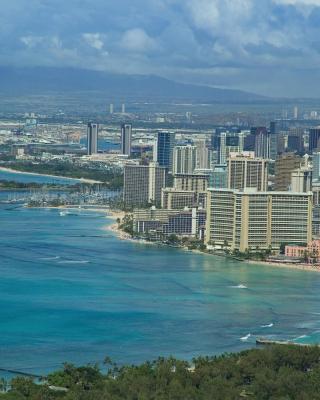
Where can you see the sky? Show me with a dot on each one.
(270, 47)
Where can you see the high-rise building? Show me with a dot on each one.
(285, 164)
(173, 199)
(301, 180)
(314, 136)
(247, 171)
(203, 154)
(191, 182)
(219, 177)
(184, 159)
(111, 109)
(258, 141)
(295, 112)
(229, 142)
(316, 167)
(143, 184)
(262, 143)
(251, 220)
(123, 108)
(126, 136)
(163, 149)
(92, 138)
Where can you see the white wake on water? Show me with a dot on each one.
(240, 286)
(244, 338)
(267, 326)
(49, 258)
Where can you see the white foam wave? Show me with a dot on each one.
(240, 286)
(301, 337)
(49, 258)
(267, 326)
(73, 262)
(244, 338)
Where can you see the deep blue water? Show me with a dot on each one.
(71, 291)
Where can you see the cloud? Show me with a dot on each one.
(94, 40)
(268, 46)
(137, 40)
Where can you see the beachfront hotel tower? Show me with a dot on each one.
(92, 138)
(244, 220)
(143, 184)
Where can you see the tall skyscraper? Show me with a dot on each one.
(92, 138)
(316, 167)
(111, 109)
(123, 108)
(126, 136)
(228, 142)
(163, 150)
(295, 112)
(203, 155)
(184, 159)
(246, 171)
(262, 143)
(314, 136)
(143, 184)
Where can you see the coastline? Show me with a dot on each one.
(125, 236)
(84, 180)
(113, 227)
(299, 267)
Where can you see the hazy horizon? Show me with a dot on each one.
(268, 47)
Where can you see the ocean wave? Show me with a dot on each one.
(267, 326)
(245, 338)
(49, 258)
(301, 337)
(73, 262)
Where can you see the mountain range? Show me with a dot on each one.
(44, 80)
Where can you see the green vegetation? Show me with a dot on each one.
(126, 224)
(8, 185)
(111, 178)
(276, 372)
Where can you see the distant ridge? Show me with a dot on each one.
(44, 80)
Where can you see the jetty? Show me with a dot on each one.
(21, 373)
(267, 342)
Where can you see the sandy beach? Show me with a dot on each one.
(84, 180)
(301, 267)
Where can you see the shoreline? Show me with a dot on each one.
(299, 267)
(125, 236)
(15, 171)
(113, 215)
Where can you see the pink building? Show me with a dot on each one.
(312, 251)
(296, 251)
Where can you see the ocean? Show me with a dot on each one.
(70, 290)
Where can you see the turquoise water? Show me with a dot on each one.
(71, 291)
(28, 178)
